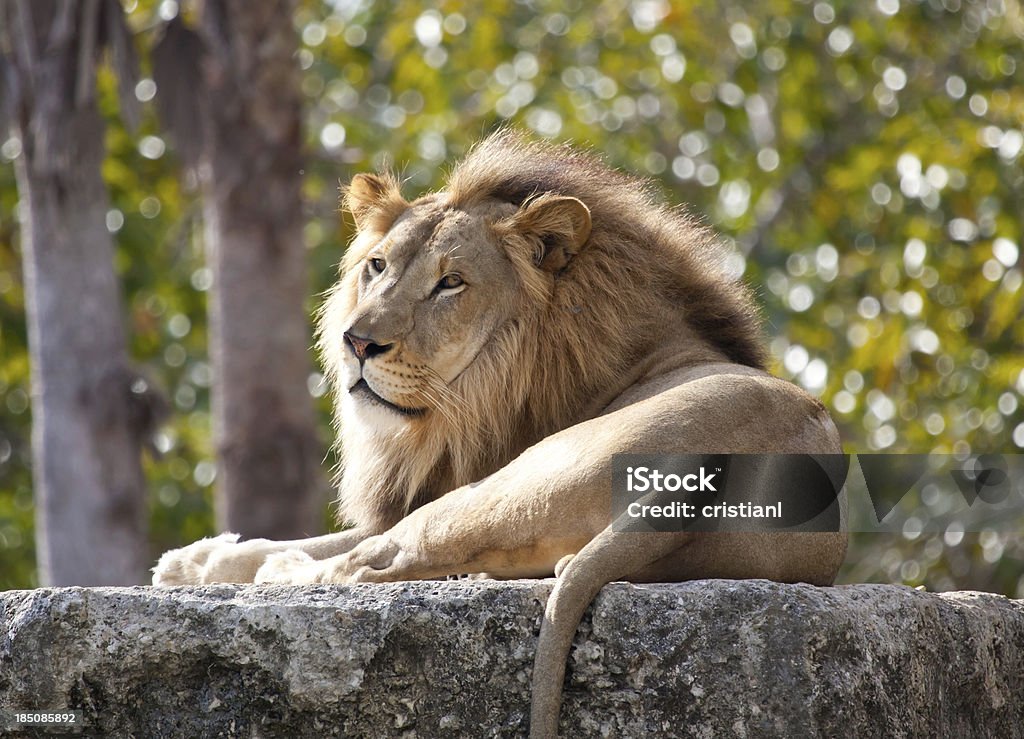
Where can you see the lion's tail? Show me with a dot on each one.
(609, 556)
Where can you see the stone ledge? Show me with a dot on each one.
(709, 658)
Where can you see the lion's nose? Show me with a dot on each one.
(364, 348)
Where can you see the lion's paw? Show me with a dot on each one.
(291, 567)
(563, 563)
(187, 566)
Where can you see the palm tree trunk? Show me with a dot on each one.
(269, 454)
(91, 413)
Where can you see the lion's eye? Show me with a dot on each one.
(377, 265)
(449, 284)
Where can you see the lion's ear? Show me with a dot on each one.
(373, 196)
(558, 224)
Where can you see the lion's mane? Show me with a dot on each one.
(647, 273)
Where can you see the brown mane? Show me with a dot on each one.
(648, 277)
(630, 223)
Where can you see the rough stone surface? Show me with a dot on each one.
(711, 658)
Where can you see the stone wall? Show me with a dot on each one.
(705, 659)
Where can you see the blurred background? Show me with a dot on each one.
(861, 159)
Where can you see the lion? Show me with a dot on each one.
(491, 346)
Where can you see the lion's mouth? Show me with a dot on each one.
(362, 390)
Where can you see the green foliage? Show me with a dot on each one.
(862, 160)
(17, 547)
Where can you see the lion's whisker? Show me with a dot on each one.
(437, 397)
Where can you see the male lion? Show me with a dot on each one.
(492, 346)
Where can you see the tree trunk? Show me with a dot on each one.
(91, 414)
(268, 452)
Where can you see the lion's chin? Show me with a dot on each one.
(361, 392)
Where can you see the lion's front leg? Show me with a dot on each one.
(465, 532)
(376, 559)
(224, 559)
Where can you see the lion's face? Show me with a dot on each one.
(424, 290)
(419, 305)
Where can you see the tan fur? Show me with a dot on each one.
(477, 417)
(576, 334)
